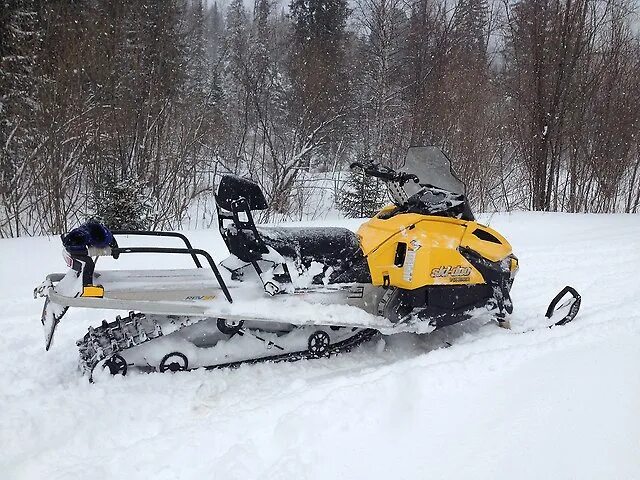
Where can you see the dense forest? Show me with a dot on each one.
(536, 101)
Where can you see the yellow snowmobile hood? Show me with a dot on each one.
(412, 250)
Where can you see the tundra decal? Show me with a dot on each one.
(200, 297)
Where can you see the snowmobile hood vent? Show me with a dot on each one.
(484, 235)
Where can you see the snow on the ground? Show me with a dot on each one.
(560, 403)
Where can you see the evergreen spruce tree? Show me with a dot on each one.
(215, 33)
(361, 196)
(317, 57)
(122, 205)
(470, 20)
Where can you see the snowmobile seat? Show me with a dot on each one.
(335, 248)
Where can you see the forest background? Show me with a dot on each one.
(147, 103)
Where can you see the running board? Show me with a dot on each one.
(201, 309)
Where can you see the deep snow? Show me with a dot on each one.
(561, 403)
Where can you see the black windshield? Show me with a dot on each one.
(432, 167)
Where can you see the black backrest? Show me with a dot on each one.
(232, 188)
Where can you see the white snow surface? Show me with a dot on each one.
(560, 403)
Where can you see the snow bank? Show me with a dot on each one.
(560, 403)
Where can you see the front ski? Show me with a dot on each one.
(568, 309)
(572, 303)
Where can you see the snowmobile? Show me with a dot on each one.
(283, 294)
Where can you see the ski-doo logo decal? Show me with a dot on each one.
(458, 273)
(200, 297)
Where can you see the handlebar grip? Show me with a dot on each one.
(385, 173)
(372, 170)
(407, 177)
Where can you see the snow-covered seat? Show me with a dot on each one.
(334, 247)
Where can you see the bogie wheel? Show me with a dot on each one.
(174, 362)
(229, 327)
(117, 365)
(318, 343)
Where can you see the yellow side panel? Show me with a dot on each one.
(431, 258)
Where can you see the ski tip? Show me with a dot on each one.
(573, 309)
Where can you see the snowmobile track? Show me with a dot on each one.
(106, 341)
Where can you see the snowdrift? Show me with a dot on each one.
(560, 403)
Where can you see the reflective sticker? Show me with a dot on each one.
(409, 261)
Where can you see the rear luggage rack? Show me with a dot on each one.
(151, 233)
(87, 264)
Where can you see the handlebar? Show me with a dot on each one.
(385, 173)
